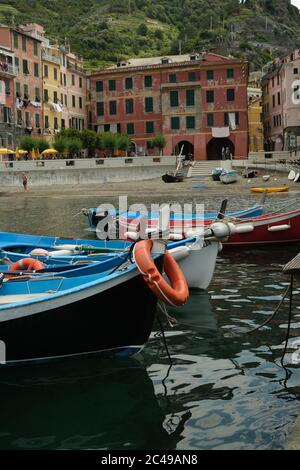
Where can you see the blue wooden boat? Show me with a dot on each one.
(54, 317)
(96, 215)
(216, 173)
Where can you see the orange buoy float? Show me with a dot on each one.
(27, 264)
(175, 294)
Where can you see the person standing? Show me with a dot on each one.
(25, 182)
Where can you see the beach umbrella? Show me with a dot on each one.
(50, 152)
(10, 152)
(22, 152)
(3, 151)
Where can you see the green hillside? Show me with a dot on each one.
(104, 31)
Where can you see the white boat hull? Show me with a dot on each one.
(199, 265)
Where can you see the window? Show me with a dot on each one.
(278, 97)
(210, 96)
(7, 115)
(55, 123)
(230, 94)
(37, 120)
(175, 123)
(36, 70)
(230, 74)
(113, 107)
(99, 86)
(273, 99)
(61, 78)
(55, 97)
(46, 95)
(65, 80)
(18, 89)
(46, 122)
(73, 80)
(237, 119)
(106, 127)
(149, 105)
(19, 117)
(226, 119)
(63, 124)
(74, 101)
(17, 62)
(62, 98)
(24, 43)
(130, 129)
(119, 128)
(129, 106)
(16, 40)
(112, 85)
(128, 83)
(25, 67)
(149, 127)
(26, 91)
(192, 76)
(35, 50)
(7, 88)
(210, 120)
(46, 71)
(190, 97)
(148, 81)
(209, 74)
(66, 100)
(37, 94)
(174, 101)
(27, 119)
(172, 78)
(80, 102)
(100, 108)
(273, 82)
(296, 71)
(190, 122)
(55, 74)
(80, 82)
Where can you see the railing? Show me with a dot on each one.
(51, 58)
(8, 69)
(86, 163)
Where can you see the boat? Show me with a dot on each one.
(216, 173)
(250, 173)
(54, 317)
(176, 178)
(276, 229)
(279, 189)
(96, 215)
(228, 176)
(196, 257)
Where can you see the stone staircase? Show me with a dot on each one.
(204, 168)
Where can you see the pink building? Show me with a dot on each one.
(281, 103)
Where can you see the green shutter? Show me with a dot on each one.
(100, 108)
(112, 85)
(175, 123)
(99, 86)
(129, 106)
(128, 83)
(174, 98)
(209, 74)
(112, 107)
(190, 122)
(172, 78)
(192, 76)
(130, 129)
(36, 70)
(190, 97)
(149, 105)
(150, 127)
(230, 73)
(148, 81)
(210, 96)
(210, 120)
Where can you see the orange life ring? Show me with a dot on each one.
(27, 264)
(175, 294)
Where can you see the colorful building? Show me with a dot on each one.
(199, 102)
(73, 82)
(26, 49)
(256, 129)
(8, 72)
(281, 100)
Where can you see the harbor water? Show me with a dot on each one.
(225, 389)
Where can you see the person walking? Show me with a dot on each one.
(25, 182)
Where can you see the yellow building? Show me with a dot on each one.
(256, 130)
(52, 107)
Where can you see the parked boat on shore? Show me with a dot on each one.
(228, 177)
(280, 189)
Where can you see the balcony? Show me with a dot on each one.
(191, 84)
(8, 70)
(75, 67)
(51, 58)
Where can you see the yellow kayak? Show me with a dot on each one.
(282, 189)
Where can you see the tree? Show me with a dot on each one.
(74, 146)
(61, 144)
(41, 144)
(142, 30)
(110, 142)
(88, 139)
(124, 143)
(159, 141)
(27, 143)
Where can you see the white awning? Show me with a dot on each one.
(220, 132)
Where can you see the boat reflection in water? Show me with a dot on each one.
(82, 404)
